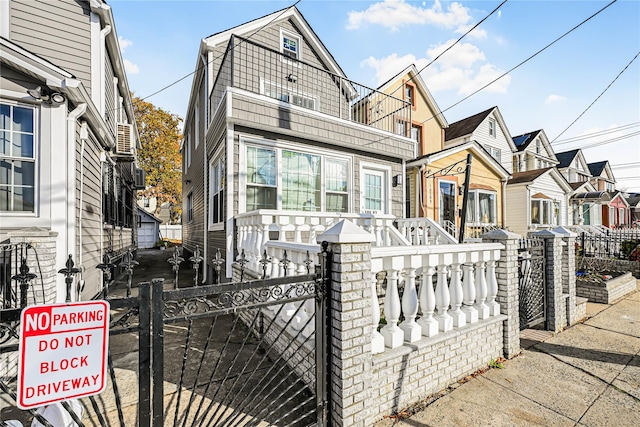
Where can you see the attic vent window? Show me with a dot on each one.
(492, 128)
(290, 45)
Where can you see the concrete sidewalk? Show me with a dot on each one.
(587, 375)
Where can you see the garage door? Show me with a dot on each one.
(147, 235)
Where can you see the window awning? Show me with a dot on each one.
(541, 196)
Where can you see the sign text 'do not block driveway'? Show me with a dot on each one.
(63, 352)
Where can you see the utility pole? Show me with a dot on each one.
(465, 198)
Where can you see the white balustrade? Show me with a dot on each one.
(465, 290)
(377, 340)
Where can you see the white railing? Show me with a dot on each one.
(256, 229)
(465, 290)
(171, 231)
(424, 231)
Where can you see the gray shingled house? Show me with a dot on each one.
(68, 174)
(279, 144)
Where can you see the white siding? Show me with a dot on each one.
(481, 134)
(517, 209)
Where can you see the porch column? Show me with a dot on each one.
(555, 297)
(350, 303)
(506, 271)
(569, 272)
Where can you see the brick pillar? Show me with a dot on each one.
(350, 355)
(569, 272)
(44, 264)
(507, 297)
(555, 298)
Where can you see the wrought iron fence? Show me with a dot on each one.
(531, 282)
(19, 269)
(618, 244)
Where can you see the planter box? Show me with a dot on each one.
(607, 292)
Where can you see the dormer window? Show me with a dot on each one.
(290, 45)
(538, 146)
(492, 128)
(409, 94)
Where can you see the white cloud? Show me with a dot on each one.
(463, 69)
(394, 14)
(553, 98)
(124, 43)
(130, 67)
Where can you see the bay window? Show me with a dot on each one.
(481, 207)
(294, 180)
(17, 159)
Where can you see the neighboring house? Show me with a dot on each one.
(439, 194)
(537, 200)
(573, 166)
(150, 205)
(68, 162)
(601, 176)
(533, 152)
(427, 121)
(489, 130)
(148, 229)
(582, 211)
(278, 143)
(634, 208)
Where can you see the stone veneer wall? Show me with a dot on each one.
(407, 374)
(608, 292)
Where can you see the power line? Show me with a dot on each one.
(595, 134)
(222, 54)
(609, 141)
(595, 100)
(455, 43)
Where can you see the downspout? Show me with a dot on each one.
(504, 202)
(72, 117)
(103, 35)
(205, 190)
(84, 134)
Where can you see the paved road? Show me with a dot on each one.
(587, 375)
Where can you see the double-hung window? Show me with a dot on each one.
(17, 159)
(216, 191)
(337, 175)
(261, 178)
(301, 175)
(290, 45)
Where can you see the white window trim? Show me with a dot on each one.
(196, 120)
(492, 129)
(285, 89)
(189, 210)
(374, 167)
(188, 149)
(5, 12)
(477, 206)
(284, 58)
(214, 226)
(37, 185)
(278, 147)
(552, 203)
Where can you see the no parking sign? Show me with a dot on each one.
(63, 352)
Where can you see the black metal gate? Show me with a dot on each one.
(242, 354)
(531, 282)
(252, 353)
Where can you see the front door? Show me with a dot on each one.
(375, 191)
(447, 202)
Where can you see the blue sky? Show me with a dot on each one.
(372, 40)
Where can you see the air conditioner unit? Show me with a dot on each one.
(139, 181)
(124, 142)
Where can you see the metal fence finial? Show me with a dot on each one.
(69, 272)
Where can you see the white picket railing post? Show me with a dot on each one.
(427, 299)
(445, 321)
(481, 291)
(392, 334)
(469, 293)
(492, 289)
(455, 292)
(412, 330)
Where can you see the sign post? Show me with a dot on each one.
(63, 352)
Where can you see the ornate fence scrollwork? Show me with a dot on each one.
(175, 262)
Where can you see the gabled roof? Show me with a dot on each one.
(467, 126)
(597, 168)
(566, 157)
(473, 146)
(529, 177)
(582, 187)
(416, 79)
(523, 141)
